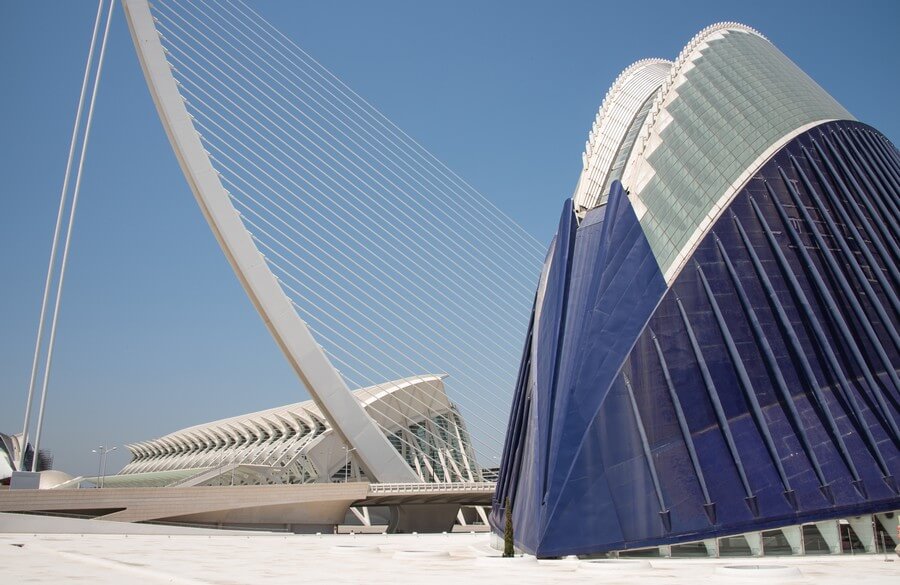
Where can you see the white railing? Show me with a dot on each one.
(405, 488)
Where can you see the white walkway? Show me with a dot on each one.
(456, 558)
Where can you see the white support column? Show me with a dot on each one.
(794, 537)
(890, 525)
(362, 516)
(712, 547)
(864, 528)
(754, 541)
(830, 531)
(461, 518)
(665, 551)
(482, 514)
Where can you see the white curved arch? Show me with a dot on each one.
(623, 102)
(676, 77)
(730, 100)
(209, 445)
(326, 386)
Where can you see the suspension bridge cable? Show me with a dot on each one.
(65, 255)
(267, 58)
(384, 355)
(400, 267)
(301, 55)
(56, 233)
(292, 251)
(437, 256)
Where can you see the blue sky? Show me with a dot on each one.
(156, 334)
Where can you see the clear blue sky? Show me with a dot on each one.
(156, 333)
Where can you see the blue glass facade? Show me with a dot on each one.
(758, 390)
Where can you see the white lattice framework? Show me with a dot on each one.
(296, 444)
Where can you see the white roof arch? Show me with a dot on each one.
(623, 102)
(708, 121)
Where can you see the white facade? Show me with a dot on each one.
(689, 152)
(296, 444)
(615, 129)
(10, 454)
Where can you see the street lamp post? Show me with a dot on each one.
(347, 461)
(99, 452)
(105, 459)
(102, 452)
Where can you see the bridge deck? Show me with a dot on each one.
(266, 504)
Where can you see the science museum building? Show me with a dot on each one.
(714, 344)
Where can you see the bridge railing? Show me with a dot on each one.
(402, 488)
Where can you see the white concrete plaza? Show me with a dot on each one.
(454, 558)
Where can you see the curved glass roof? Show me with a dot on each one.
(730, 100)
(616, 127)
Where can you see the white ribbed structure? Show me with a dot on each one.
(649, 136)
(622, 104)
(296, 444)
(708, 121)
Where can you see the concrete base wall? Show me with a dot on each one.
(33, 524)
(264, 504)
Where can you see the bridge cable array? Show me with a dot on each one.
(80, 134)
(399, 267)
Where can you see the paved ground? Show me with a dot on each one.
(456, 558)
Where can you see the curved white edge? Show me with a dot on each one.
(366, 396)
(326, 386)
(621, 104)
(659, 118)
(203, 441)
(725, 200)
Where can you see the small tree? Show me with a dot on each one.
(508, 548)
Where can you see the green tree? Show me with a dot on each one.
(508, 549)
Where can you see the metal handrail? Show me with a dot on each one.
(393, 488)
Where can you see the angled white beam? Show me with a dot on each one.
(890, 525)
(794, 536)
(831, 532)
(326, 387)
(864, 528)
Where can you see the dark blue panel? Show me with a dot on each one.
(603, 263)
(759, 390)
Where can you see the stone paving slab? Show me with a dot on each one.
(453, 558)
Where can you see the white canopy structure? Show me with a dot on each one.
(296, 444)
